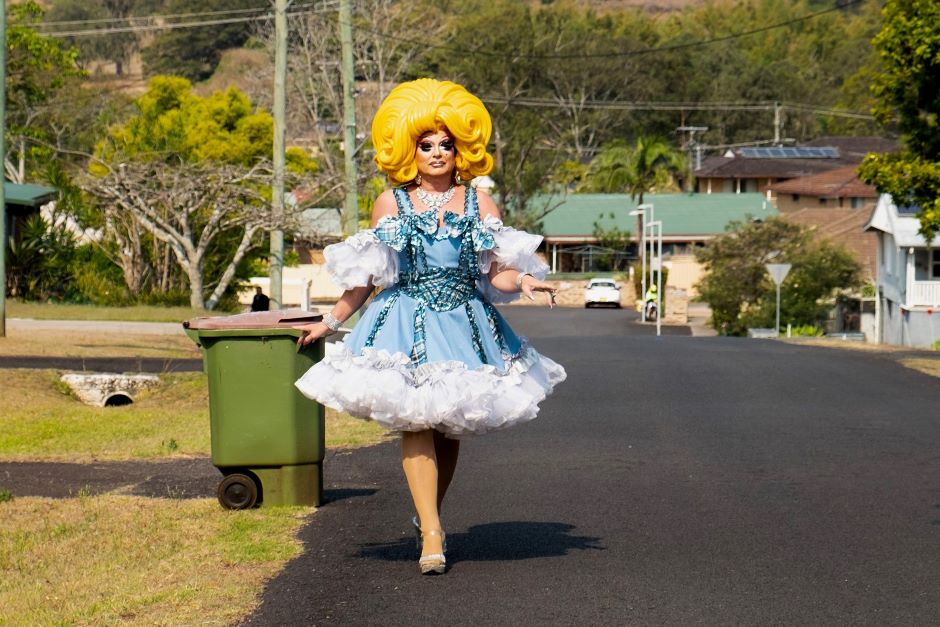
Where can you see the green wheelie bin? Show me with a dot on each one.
(267, 437)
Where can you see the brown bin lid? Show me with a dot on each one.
(281, 318)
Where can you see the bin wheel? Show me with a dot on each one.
(238, 492)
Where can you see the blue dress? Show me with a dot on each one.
(431, 351)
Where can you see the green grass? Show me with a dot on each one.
(39, 419)
(112, 559)
(136, 313)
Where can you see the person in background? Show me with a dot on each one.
(260, 302)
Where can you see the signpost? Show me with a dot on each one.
(778, 272)
(656, 263)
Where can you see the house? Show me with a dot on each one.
(688, 222)
(23, 200)
(754, 169)
(837, 206)
(908, 277)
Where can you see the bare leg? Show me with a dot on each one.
(419, 460)
(447, 451)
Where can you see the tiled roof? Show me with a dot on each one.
(851, 152)
(838, 183)
(843, 226)
(694, 216)
(741, 168)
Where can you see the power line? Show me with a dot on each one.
(623, 53)
(120, 20)
(176, 25)
(626, 105)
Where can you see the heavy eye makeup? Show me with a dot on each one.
(447, 146)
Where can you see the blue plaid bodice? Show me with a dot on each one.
(437, 288)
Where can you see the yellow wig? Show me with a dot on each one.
(428, 106)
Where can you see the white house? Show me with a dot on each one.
(908, 277)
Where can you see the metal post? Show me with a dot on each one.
(641, 241)
(656, 244)
(659, 279)
(351, 204)
(276, 263)
(3, 199)
(777, 327)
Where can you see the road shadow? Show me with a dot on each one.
(341, 494)
(494, 542)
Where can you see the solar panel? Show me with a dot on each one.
(791, 152)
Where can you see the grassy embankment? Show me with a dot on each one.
(115, 558)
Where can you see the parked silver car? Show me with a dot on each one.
(602, 292)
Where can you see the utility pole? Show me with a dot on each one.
(3, 151)
(276, 261)
(350, 214)
(777, 110)
(690, 147)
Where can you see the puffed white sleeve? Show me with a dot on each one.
(361, 260)
(509, 249)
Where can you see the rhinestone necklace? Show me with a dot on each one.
(433, 200)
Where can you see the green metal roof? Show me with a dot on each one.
(681, 214)
(27, 194)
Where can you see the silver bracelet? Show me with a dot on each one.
(331, 322)
(519, 278)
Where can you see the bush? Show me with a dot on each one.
(806, 330)
(98, 281)
(39, 262)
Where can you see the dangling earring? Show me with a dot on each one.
(457, 179)
(418, 180)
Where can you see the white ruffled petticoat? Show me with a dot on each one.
(445, 396)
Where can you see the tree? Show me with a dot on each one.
(188, 209)
(648, 165)
(908, 93)
(614, 240)
(115, 47)
(185, 179)
(37, 69)
(194, 53)
(741, 293)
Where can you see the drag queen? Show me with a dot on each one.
(431, 357)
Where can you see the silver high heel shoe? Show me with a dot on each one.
(418, 541)
(435, 563)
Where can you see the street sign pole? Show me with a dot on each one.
(3, 200)
(778, 272)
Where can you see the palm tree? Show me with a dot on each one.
(650, 164)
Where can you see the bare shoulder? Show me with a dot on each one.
(487, 206)
(384, 206)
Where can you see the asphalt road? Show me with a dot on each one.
(669, 481)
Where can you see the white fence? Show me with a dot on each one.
(924, 293)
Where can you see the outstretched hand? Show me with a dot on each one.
(530, 285)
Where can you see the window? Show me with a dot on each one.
(934, 264)
(796, 197)
(857, 203)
